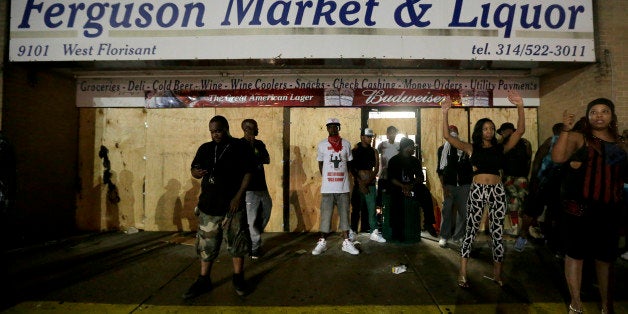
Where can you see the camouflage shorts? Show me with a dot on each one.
(212, 229)
(516, 192)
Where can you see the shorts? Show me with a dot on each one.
(341, 200)
(212, 230)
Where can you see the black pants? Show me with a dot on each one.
(424, 197)
(382, 185)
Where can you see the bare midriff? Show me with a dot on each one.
(485, 178)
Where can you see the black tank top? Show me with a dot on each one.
(488, 160)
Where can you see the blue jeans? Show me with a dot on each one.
(258, 207)
(456, 200)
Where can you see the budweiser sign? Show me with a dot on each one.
(404, 97)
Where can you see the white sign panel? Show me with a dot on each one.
(134, 91)
(539, 30)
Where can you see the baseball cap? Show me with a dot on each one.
(453, 128)
(333, 121)
(506, 126)
(367, 132)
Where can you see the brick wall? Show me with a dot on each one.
(573, 89)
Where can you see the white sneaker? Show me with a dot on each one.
(377, 237)
(352, 235)
(625, 256)
(348, 247)
(535, 232)
(321, 247)
(513, 231)
(442, 242)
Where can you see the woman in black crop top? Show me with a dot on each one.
(593, 179)
(487, 159)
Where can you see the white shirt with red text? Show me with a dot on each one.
(335, 170)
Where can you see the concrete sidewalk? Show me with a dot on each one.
(149, 271)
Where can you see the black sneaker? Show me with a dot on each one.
(239, 284)
(256, 254)
(202, 285)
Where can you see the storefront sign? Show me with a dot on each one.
(310, 90)
(236, 98)
(309, 98)
(526, 30)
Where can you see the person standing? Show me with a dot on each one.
(224, 166)
(258, 201)
(455, 174)
(487, 160)
(426, 202)
(594, 164)
(387, 150)
(516, 170)
(334, 161)
(364, 166)
(544, 190)
(405, 172)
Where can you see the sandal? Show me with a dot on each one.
(498, 282)
(463, 282)
(573, 310)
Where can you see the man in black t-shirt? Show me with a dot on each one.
(405, 172)
(224, 166)
(364, 169)
(258, 201)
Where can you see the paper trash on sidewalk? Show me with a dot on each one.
(399, 269)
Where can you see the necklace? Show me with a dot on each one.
(217, 158)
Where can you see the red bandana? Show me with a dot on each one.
(336, 142)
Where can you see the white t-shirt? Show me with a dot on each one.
(335, 170)
(387, 151)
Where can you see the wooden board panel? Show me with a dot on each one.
(125, 137)
(173, 136)
(270, 123)
(119, 205)
(307, 129)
